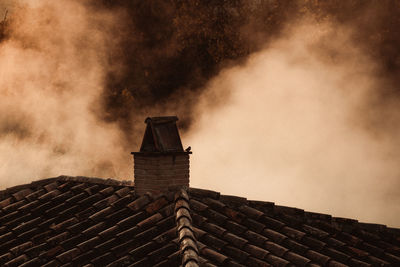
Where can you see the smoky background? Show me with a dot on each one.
(294, 102)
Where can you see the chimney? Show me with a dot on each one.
(161, 162)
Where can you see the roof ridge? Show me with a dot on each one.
(81, 179)
(96, 180)
(187, 240)
(337, 220)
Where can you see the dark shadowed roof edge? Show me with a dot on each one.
(339, 222)
(235, 200)
(79, 179)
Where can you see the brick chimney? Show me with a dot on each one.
(161, 162)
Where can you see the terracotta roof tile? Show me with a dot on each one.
(94, 229)
(197, 205)
(41, 236)
(391, 258)
(213, 228)
(215, 216)
(333, 263)
(313, 243)
(293, 233)
(275, 236)
(256, 251)
(160, 254)
(296, 259)
(355, 262)
(337, 255)
(139, 203)
(234, 239)
(12, 218)
(53, 263)
(377, 261)
(254, 225)
(67, 212)
(334, 242)
(28, 234)
(156, 205)
(251, 212)
(183, 213)
(203, 193)
(235, 253)
(235, 227)
(68, 255)
(107, 245)
(103, 259)
(36, 250)
(123, 247)
(58, 238)
(213, 255)
(6, 202)
(16, 261)
(167, 224)
(186, 233)
(50, 195)
(72, 241)
(18, 250)
(123, 261)
(89, 244)
(19, 195)
(255, 238)
(6, 257)
(213, 203)
(31, 263)
(26, 225)
(276, 261)
(128, 233)
(317, 257)
(35, 194)
(148, 234)
(233, 200)
(14, 206)
(50, 186)
(275, 248)
(213, 241)
(251, 261)
(76, 221)
(120, 203)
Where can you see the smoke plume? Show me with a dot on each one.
(53, 66)
(292, 102)
(293, 128)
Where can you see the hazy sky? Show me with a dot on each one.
(298, 121)
(289, 131)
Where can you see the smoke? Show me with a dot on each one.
(293, 128)
(53, 67)
(303, 115)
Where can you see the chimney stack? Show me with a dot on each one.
(161, 162)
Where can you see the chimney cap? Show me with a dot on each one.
(165, 119)
(161, 136)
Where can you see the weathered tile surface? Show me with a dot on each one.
(84, 221)
(237, 232)
(80, 221)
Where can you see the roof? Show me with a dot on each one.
(70, 221)
(161, 135)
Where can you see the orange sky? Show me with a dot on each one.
(291, 124)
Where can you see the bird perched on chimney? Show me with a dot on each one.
(188, 149)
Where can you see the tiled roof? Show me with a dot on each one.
(79, 221)
(234, 231)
